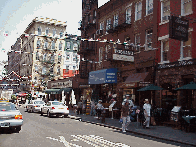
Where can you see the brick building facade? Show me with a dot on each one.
(132, 36)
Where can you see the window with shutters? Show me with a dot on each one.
(47, 31)
(39, 30)
(53, 45)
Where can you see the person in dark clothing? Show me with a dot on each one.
(79, 110)
(125, 116)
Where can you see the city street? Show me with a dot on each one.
(43, 131)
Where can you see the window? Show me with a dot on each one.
(44, 70)
(137, 42)
(186, 6)
(54, 32)
(51, 70)
(59, 70)
(100, 54)
(186, 49)
(149, 7)
(61, 34)
(46, 44)
(115, 20)
(68, 45)
(53, 45)
(67, 56)
(39, 31)
(38, 44)
(36, 68)
(59, 58)
(149, 39)
(164, 50)
(67, 67)
(37, 56)
(108, 24)
(102, 25)
(74, 57)
(44, 57)
(138, 11)
(75, 46)
(165, 10)
(52, 58)
(47, 31)
(128, 15)
(60, 46)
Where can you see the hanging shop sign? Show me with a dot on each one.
(177, 64)
(103, 76)
(123, 54)
(61, 84)
(178, 28)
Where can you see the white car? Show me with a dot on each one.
(35, 106)
(55, 108)
(10, 116)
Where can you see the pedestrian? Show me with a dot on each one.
(147, 108)
(125, 116)
(92, 113)
(128, 98)
(79, 110)
(99, 107)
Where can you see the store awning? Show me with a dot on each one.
(103, 76)
(52, 91)
(65, 90)
(138, 77)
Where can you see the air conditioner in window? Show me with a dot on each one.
(94, 21)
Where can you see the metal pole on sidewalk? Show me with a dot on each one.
(112, 114)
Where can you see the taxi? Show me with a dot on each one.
(10, 116)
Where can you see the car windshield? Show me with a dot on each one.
(55, 103)
(39, 102)
(7, 107)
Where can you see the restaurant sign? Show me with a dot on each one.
(64, 84)
(123, 54)
(178, 28)
(177, 64)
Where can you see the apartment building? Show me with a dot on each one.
(42, 53)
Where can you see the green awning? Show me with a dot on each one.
(65, 90)
(52, 91)
(150, 87)
(57, 91)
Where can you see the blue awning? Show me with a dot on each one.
(103, 76)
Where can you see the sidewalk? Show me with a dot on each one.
(158, 132)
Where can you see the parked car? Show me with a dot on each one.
(10, 116)
(55, 108)
(35, 106)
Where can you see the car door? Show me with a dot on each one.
(45, 108)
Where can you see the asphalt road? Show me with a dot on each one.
(52, 132)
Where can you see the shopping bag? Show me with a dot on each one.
(153, 121)
(121, 120)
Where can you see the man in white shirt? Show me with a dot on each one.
(147, 108)
(128, 99)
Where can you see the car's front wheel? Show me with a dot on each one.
(48, 114)
(65, 115)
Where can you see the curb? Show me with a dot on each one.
(134, 132)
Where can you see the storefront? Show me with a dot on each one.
(59, 90)
(172, 76)
(103, 83)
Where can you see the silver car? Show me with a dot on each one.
(10, 116)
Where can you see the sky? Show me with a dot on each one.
(15, 15)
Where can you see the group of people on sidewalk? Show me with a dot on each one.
(127, 105)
